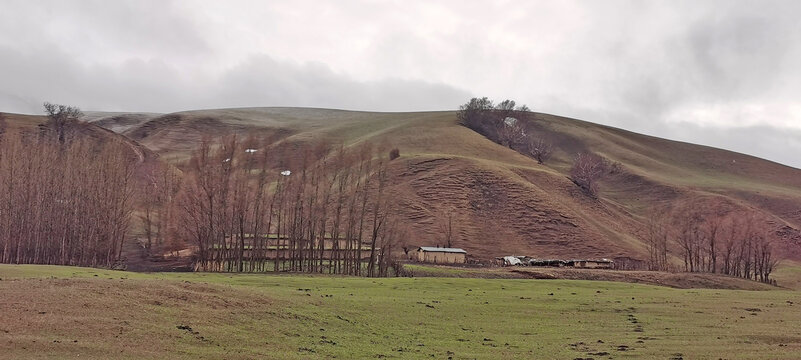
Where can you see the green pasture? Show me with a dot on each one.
(68, 312)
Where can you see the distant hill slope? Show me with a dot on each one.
(139, 153)
(504, 202)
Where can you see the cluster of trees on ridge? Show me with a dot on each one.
(511, 125)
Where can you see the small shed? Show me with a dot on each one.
(438, 255)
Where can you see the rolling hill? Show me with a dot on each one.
(139, 153)
(502, 201)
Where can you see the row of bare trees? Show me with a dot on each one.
(67, 197)
(736, 244)
(156, 192)
(247, 206)
(64, 199)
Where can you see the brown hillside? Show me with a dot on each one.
(139, 153)
(506, 203)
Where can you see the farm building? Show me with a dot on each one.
(284, 248)
(547, 262)
(592, 264)
(440, 255)
(581, 264)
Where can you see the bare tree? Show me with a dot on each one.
(713, 225)
(296, 220)
(64, 203)
(380, 214)
(657, 242)
(510, 121)
(587, 170)
(446, 228)
(730, 246)
(511, 131)
(737, 244)
(687, 236)
(539, 149)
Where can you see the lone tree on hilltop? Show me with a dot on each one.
(587, 169)
(59, 117)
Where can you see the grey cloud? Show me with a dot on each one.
(263, 80)
(718, 56)
(735, 62)
(101, 30)
(709, 72)
(55, 76)
(140, 85)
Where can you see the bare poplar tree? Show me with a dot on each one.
(539, 149)
(657, 242)
(65, 202)
(298, 218)
(446, 228)
(587, 170)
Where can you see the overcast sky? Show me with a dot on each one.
(720, 73)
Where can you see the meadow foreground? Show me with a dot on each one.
(70, 312)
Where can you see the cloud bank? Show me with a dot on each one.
(721, 73)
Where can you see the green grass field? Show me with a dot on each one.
(67, 312)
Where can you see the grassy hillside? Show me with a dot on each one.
(65, 312)
(503, 202)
